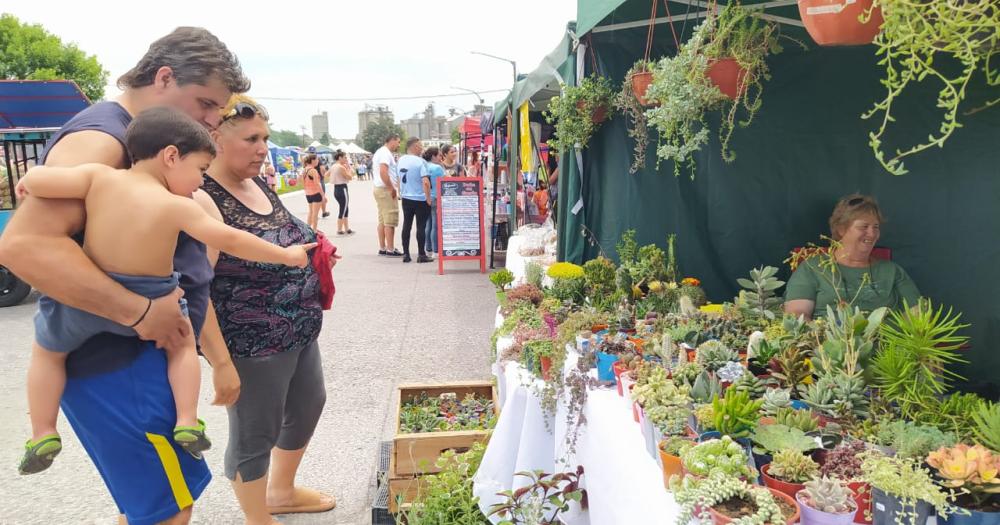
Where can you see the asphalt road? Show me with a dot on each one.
(390, 323)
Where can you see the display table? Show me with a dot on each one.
(517, 263)
(624, 482)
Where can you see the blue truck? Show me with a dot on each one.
(30, 112)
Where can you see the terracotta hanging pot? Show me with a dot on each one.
(640, 83)
(729, 76)
(837, 22)
(599, 115)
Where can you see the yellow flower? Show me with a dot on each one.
(671, 285)
(655, 286)
(565, 270)
(636, 292)
(690, 281)
(711, 308)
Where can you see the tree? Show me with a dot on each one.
(29, 52)
(456, 135)
(325, 139)
(287, 138)
(376, 132)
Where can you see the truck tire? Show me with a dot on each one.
(12, 289)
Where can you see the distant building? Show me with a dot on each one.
(320, 125)
(427, 125)
(373, 114)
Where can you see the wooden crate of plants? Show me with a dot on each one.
(404, 489)
(417, 453)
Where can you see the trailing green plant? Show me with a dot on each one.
(542, 500)
(685, 94)
(695, 497)
(502, 279)
(523, 315)
(775, 399)
(446, 413)
(573, 112)
(916, 38)
(987, 425)
(635, 116)
(713, 355)
(803, 420)
(447, 496)
(721, 456)
(829, 495)
(769, 439)
(758, 298)
(792, 466)
(918, 346)
(908, 481)
(736, 414)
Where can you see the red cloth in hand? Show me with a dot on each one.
(321, 259)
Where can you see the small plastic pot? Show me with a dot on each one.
(811, 516)
(975, 517)
(546, 363)
(729, 76)
(604, 366)
(886, 508)
(640, 83)
(721, 519)
(671, 465)
(782, 486)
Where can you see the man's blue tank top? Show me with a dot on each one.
(106, 352)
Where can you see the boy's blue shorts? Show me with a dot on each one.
(125, 419)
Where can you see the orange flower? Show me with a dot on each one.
(690, 281)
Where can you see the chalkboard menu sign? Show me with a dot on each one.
(460, 220)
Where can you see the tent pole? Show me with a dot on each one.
(496, 178)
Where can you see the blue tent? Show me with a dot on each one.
(39, 104)
(283, 159)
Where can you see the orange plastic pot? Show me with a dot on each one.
(546, 367)
(672, 465)
(729, 76)
(635, 411)
(640, 84)
(721, 519)
(837, 23)
(784, 487)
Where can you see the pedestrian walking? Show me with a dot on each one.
(342, 174)
(384, 180)
(362, 170)
(435, 172)
(415, 189)
(324, 177)
(266, 319)
(118, 398)
(311, 186)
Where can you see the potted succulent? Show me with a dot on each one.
(915, 39)
(789, 470)
(578, 112)
(713, 355)
(903, 492)
(826, 501)
(770, 439)
(670, 450)
(841, 22)
(844, 463)
(736, 414)
(725, 499)
(974, 472)
(502, 279)
(717, 456)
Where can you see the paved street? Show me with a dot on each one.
(391, 323)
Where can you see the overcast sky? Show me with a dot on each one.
(332, 49)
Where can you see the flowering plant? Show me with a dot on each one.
(971, 469)
(690, 281)
(565, 270)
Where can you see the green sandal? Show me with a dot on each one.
(38, 455)
(192, 439)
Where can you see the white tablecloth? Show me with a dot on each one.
(516, 262)
(624, 482)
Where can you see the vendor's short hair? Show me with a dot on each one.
(849, 208)
(156, 128)
(411, 141)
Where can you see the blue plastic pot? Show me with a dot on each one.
(604, 364)
(798, 404)
(974, 518)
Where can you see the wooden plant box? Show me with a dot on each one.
(403, 489)
(418, 453)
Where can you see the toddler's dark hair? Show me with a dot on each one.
(156, 128)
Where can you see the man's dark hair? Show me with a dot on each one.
(156, 128)
(391, 137)
(195, 55)
(430, 152)
(338, 155)
(411, 141)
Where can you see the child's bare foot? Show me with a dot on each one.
(299, 500)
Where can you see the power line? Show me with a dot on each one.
(376, 99)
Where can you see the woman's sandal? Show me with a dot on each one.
(192, 439)
(38, 455)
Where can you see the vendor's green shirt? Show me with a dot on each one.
(889, 286)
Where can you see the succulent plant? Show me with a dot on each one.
(717, 456)
(736, 414)
(665, 404)
(792, 466)
(730, 372)
(844, 461)
(829, 495)
(750, 384)
(969, 469)
(758, 299)
(705, 417)
(803, 420)
(987, 424)
(775, 399)
(789, 367)
(696, 497)
(705, 388)
(911, 440)
(713, 355)
(773, 438)
(687, 372)
(837, 395)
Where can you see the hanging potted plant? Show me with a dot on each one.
(903, 492)
(578, 112)
(631, 100)
(916, 39)
(973, 472)
(840, 22)
(722, 67)
(826, 501)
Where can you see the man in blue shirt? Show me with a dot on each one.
(415, 190)
(435, 171)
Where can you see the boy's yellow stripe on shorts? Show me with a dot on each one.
(172, 468)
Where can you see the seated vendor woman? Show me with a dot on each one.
(859, 278)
